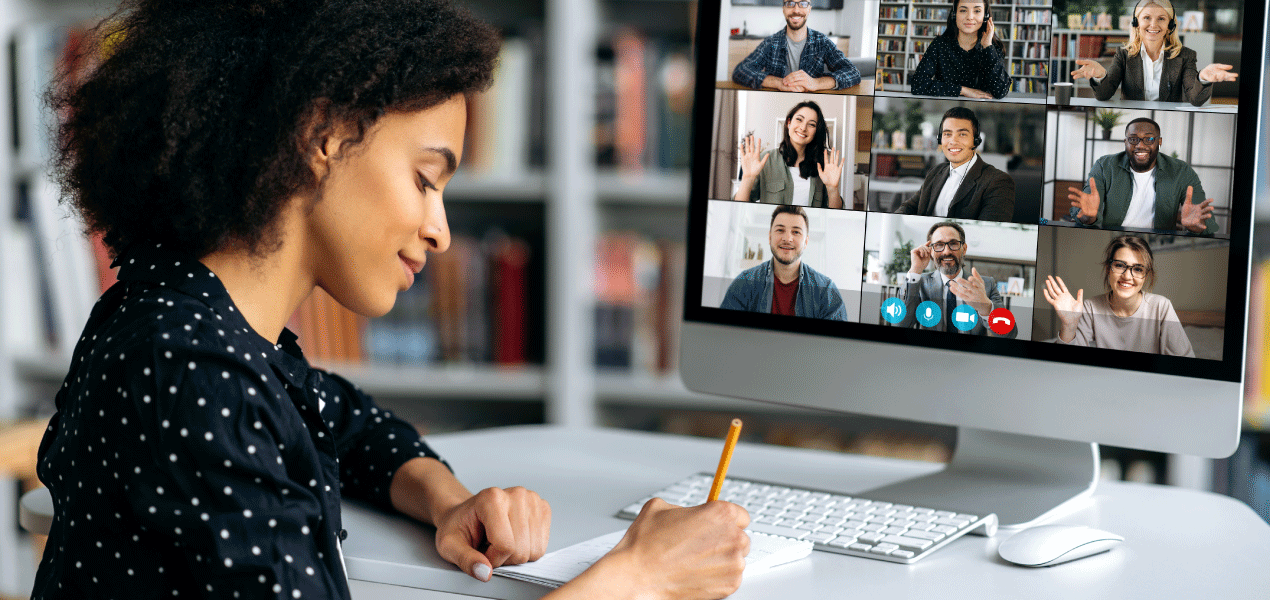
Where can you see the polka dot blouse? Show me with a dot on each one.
(946, 67)
(191, 458)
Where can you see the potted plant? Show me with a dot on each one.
(1107, 119)
(901, 259)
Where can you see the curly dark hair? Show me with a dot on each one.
(196, 128)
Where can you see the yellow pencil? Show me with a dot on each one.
(721, 473)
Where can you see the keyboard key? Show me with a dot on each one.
(842, 541)
(945, 514)
(873, 527)
(854, 523)
(926, 535)
(908, 542)
(944, 529)
(767, 519)
(820, 537)
(882, 550)
(860, 547)
(893, 531)
(777, 530)
(871, 537)
(902, 554)
(952, 522)
(963, 516)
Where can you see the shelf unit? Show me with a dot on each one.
(905, 29)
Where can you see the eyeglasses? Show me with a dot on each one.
(1133, 140)
(802, 4)
(1138, 271)
(953, 245)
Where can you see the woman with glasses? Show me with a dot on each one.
(968, 59)
(1127, 317)
(1154, 65)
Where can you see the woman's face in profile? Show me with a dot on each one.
(802, 126)
(970, 17)
(1153, 23)
(380, 212)
(1125, 284)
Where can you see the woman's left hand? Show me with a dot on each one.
(493, 528)
(1217, 72)
(985, 40)
(831, 171)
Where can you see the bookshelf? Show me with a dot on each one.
(905, 29)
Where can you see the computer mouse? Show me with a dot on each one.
(1048, 545)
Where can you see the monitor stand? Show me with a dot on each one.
(1023, 479)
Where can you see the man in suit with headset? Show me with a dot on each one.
(966, 187)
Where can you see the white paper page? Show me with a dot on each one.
(556, 568)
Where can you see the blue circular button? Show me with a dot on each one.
(928, 314)
(893, 310)
(965, 318)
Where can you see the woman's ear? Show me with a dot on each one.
(320, 138)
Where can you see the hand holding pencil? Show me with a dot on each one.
(697, 552)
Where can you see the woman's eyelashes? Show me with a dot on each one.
(425, 184)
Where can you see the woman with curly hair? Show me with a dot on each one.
(1154, 65)
(236, 155)
(805, 172)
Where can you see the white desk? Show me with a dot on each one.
(1120, 103)
(587, 475)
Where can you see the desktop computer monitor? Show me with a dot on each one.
(1039, 236)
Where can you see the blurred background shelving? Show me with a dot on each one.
(559, 301)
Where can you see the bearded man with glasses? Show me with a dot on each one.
(796, 58)
(1141, 188)
(948, 285)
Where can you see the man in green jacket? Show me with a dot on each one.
(1143, 189)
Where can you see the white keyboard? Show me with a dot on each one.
(832, 522)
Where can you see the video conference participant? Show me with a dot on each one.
(965, 187)
(1154, 65)
(966, 60)
(1126, 317)
(785, 285)
(803, 170)
(796, 58)
(1141, 188)
(947, 285)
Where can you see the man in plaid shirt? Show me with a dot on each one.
(796, 58)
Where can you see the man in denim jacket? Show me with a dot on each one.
(784, 285)
(796, 58)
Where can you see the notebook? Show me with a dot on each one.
(557, 568)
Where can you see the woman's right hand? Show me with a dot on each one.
(1069, 308)
(671, 552)
(752, 160)
(1088, 69)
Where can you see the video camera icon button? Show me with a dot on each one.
(893, 310)
(928, 314)
(965, 317)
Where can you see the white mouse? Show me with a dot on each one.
(1048, 545)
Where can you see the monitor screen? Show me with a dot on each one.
(977, 210)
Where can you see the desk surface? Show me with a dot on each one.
(1121, 103)
(587, 475)
(860, 89)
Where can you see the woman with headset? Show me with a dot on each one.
(967, 59)
(1154, 65)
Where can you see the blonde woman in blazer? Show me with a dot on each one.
(1154, 65)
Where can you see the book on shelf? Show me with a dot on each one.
(638, 301)
(497, 142)
(469, 306)
(643, 102)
